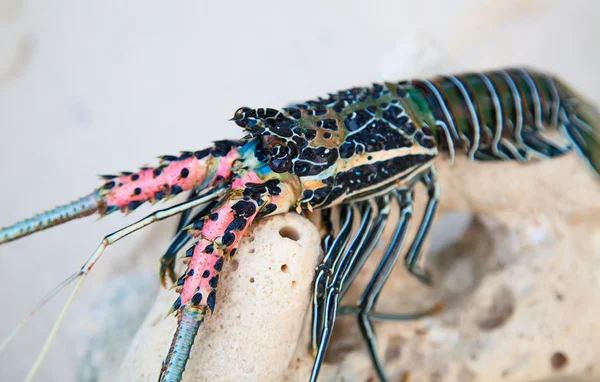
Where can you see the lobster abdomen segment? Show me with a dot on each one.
(503, 114)
(491, 115)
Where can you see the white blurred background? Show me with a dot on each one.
(93, 87)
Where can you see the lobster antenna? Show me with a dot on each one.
(39, 305)
(85, 269)
(79, 208)
(38, 362)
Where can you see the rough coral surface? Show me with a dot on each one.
(261, 304)
(520, 289)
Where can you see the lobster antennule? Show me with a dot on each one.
(179, 352)
(82, 207)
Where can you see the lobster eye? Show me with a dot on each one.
(240, 116)
(280, 164)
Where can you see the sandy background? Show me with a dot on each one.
(89, 88)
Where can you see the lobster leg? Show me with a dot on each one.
(400, 317)
(349, 263)
(346, 266)
(328, 233)
(411, 260)
(383, 213)
(371, 293)
(85, 269)
(183, 219)
(326, 303)
(324, 272)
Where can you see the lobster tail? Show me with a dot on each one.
(581, 121)
(84, 206)
(179, 353)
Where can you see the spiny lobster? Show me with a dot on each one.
(363, 149)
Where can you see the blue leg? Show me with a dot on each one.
(411, 260)
(387, 263)
(324, 272)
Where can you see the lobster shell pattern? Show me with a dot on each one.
(356, 145)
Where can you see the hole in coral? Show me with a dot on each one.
(251, 280)
(459, 266)
(394, 348)
(251, 250)
(234, 264)
(293, 284)
(558, 361)
(345, 339)
(289, 233)
(559, 296)
(500, 310)
(284, 268)
(449, 229)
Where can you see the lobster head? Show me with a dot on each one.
(337, 154)
(293, 143)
